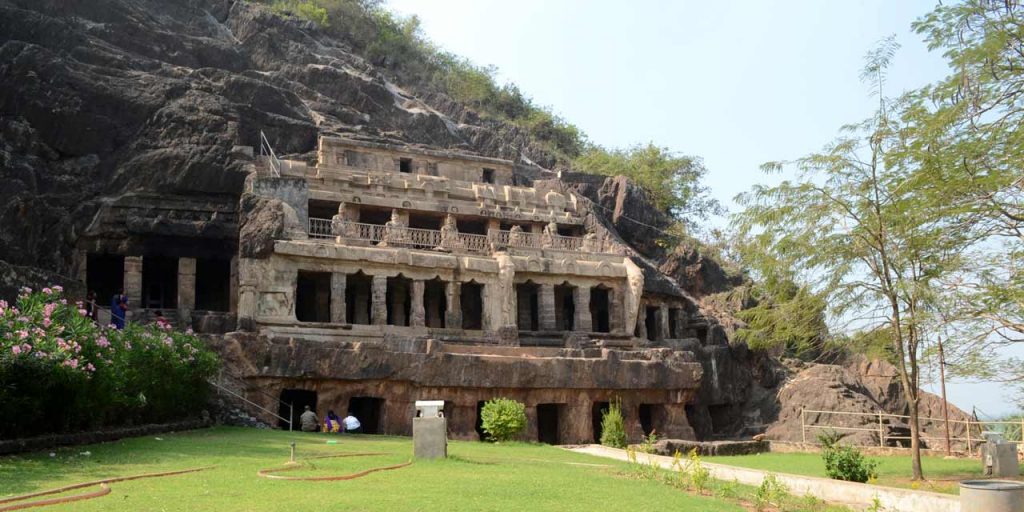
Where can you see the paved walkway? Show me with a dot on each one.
(858, 496)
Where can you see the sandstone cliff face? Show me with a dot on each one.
(111, 108)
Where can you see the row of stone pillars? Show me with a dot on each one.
(379, 302)
(186, 289)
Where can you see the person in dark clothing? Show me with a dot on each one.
(91, 308)
(118, 309)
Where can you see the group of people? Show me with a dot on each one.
(309, 422)
(118, 308)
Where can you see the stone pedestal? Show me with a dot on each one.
(338, 306)
(430, 438)
(378, 298)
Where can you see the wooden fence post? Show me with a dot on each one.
(881, 431)
(803, 425)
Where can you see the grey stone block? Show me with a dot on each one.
(430, 438)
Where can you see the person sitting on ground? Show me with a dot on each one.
(352, 424)
(309, 421)
(332, 423)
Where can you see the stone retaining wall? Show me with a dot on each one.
(31, 444)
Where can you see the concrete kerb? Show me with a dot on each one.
(834, 491)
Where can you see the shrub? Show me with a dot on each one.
(61, 372)
(845, 462)
(613, 427)
(771, 492)
(503, 419)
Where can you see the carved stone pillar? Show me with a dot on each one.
(581, 300)
(378, 300)
(578, 427)
(615, 311)
(546, 307)
(186, 290)
(663, 320)
(133, 283)
(233, 286)
(417, 314)
(641, 322)
(338, 306)
(525, 312)
(453, 311)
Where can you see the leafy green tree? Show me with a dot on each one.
(673, 181)
(973, 120)
(857, 226)
(503, 419)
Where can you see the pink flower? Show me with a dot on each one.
(16, 349)
(71, 363)
(189, 331)
(90, 368)
(102, 341)
(82, 312)
(47, 322)
(26, 348)
(58, 288)
(128, 345)
(25, 290)
(22, 334)
(47, 291)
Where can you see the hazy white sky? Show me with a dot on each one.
(736, 83)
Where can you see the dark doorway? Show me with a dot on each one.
(528, 314)
(472, 301)
(480, 420)
(367, 410)
(547, 423)
(370, 215)
(472, 226)
(419, 221)
(159, 282)
(488, 175)
(398, 303)
(313, 297)
(322, 209)
(599, 309)
(673, 323)
(435, 303)
(565, 307)
(646, 413)
(405, 165)
(299, 399)
(358, 298)
(213, 284)
(597, 412)
(652, 324)
(104, 274)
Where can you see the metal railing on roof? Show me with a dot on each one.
(273, 162)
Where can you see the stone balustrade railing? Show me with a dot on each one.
(415, 238)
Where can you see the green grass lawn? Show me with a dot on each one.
(893, 470)
(477, 476)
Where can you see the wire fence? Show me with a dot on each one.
(967, 432)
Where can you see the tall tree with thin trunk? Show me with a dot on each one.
(854, 226)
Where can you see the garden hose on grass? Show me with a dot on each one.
(10, 503)
(267, 473)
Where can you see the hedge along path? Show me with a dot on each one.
(103, 490)
(268, 473)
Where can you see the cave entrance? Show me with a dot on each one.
(357, 298)
(722, 418)
(319, 209)
(472, 226)
(599, 308)
(479, 427)
(435, 303)
(405, 165)
(313, 296)
(159, 282)
(213, 284)
(646, 419)
(565, 307)
(371, 215)
(652, 324)
(368, 410)
(104, 274)
(547, 422)
(472, 301)
(299, 399)
(597, 412)
(424, 221)
(398, 303)
(526, 306)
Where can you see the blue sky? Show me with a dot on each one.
(736, 83)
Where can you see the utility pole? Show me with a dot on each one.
(945, 404)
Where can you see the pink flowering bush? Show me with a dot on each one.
(59, 371)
